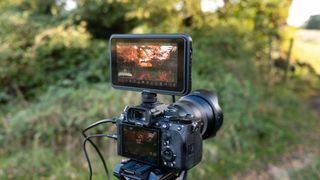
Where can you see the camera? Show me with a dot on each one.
(160, 140)
(169, 135)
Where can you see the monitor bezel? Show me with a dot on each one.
(183, 86)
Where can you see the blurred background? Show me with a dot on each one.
(261, 57)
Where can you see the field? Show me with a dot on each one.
(306, 48)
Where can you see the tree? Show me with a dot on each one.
(105, 17)
(313, 22)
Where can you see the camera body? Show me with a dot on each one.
(160, 135)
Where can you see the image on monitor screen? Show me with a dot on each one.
(147, 63)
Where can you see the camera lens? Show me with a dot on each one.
(204, 105)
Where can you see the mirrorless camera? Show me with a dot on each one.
(169, 135)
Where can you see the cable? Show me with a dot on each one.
(88, 138)
(112, 120)
(173, 98)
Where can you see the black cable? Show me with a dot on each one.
(113, 120)
(113, 136)
(173, 98)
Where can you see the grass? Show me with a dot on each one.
(306, 48)
(42, 138)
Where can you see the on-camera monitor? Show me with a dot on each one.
(141, 144)
(155, 64)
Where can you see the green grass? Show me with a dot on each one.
(42, 138)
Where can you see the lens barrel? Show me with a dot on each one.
(204, 105)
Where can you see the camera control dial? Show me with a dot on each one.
(168, 155)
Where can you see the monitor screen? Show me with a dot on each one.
(155, 64)
(147, 63)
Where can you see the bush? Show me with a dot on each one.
(33, 58)
(63, 112)
(63, 53)
(105, 17)
(16, 35)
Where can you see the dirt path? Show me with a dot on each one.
(294, 161)
(302, 157)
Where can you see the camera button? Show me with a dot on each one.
(168, 155)
(165, 126)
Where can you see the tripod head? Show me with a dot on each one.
(139, 171)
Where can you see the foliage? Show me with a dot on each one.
(313, 22)
(62, 112)
(105, 17)
(43, 7)
(13, 46)
(65, 52)
(62, 53)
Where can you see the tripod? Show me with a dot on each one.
(133, 170)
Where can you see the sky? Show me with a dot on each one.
(301, 10)
(211, 5)
(70, 4)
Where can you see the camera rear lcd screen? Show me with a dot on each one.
(148, 63)
(140, 144)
